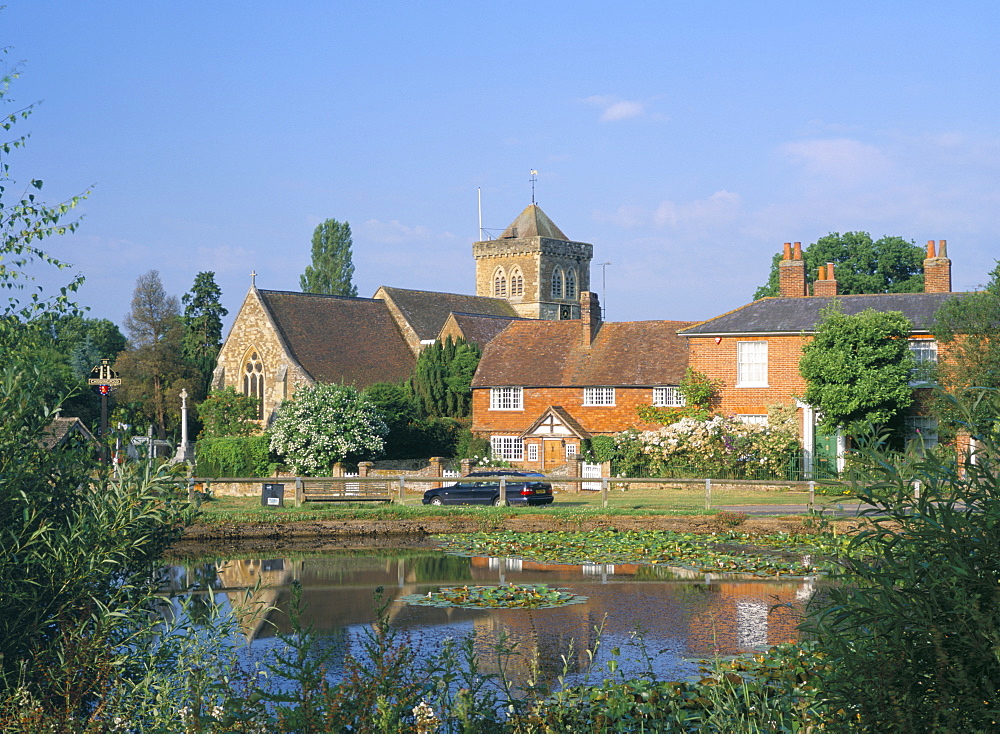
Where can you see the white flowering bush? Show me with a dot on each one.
(720, 445)
(325, 424)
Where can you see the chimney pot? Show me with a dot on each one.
(829, 271)
(797, 250)
(787, 255)
(942, 248)
(930, 249)
(821, 273)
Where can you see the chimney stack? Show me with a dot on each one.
(792, 272)
(826, 284)
(590, 316)
(937, 268)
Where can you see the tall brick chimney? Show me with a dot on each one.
(937, 268)
(826, 283)
(792, 272)
(590, 316)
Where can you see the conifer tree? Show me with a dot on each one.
(332, 268)
(442, 379)
(203, 314)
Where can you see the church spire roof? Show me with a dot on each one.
(533, 222)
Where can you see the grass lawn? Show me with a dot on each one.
(638, 500)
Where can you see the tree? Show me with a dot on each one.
(332, 268)
(203, 314)
(909, 638)
(968, 329)
(152, 370)
(325, 424)
(887, 265)
(994, 285)
(77, 345)
(857, 368)
(442, 378)
(77, 572)
(226, 412)
(86, 341)
(411, 435)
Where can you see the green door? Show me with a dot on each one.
(825, 454)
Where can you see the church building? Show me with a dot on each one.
(282, 340)
(535, 267)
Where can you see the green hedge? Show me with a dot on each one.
(234, 456)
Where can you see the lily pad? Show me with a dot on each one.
(726, 553)
(512, 596)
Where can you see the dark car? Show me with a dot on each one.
(519, 490)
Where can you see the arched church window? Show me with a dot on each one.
(516, 283)
(500, 284)
(557, 283)
(571, 284)
(253, 380)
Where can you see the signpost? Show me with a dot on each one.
(104, 379)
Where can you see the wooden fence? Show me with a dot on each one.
(393, 489)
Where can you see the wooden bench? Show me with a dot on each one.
(342, 490)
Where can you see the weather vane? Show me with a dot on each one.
(534, 177)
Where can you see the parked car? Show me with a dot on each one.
(519, 490)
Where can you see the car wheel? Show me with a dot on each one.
(437, 501)
(500, 503)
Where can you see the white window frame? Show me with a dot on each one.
(532, 452)
(753, 419)
(751, 364)
(668, 396)
(925, 355)
(599, 396)
(506, 398)
(570, 451)
(922, 426)
(508, 448)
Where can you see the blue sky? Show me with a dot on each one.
(685, 140)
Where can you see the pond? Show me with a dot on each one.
(662, 620)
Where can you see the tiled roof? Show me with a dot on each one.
(426, 311)
(533, 222)
(60, 429)
(479, 328)
(353, 341)
(797, 315)
(543, 353)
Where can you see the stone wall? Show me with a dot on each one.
(253, 331)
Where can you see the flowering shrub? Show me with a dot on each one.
(720, 445)
(489, 461)
(325, 424)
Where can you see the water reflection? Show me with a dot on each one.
(659, 618)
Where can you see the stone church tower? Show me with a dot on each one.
(535, 267)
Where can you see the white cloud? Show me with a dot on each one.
(615, 109)
(394, 232)
(719, 208)
(688, 218)
(841, 160)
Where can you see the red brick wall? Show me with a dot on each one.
(718, 361)
(937, 275)
(594, 419)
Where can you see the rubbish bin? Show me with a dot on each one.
(272, 495)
